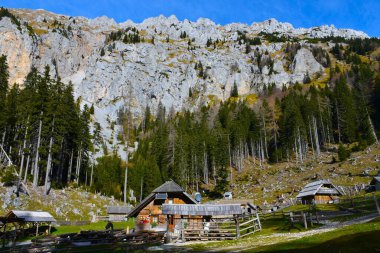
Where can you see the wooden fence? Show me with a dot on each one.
(219, 228)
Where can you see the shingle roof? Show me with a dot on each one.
(204, 210)
(31, 216)
(135, 211)
(118, 209)
(169, 186)
(315, 187)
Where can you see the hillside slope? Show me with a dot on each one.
(280, 183)
(68, 204)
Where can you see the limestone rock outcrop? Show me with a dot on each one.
(164, 66)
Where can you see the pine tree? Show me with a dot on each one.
(234, 91)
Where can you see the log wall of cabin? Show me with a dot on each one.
(323, 199)
(155, 211)
(319, 199)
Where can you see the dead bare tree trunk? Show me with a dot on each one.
(125, 178)
(295, 149)
(205, 168)
(70, 166)
(230, 158)
(373, 130)
(23, 151)
(48, 168)
(36, 169)
(300, 146)
(265, 138)
(338, 120)
(316, 138)
(311, 140)
(27, 167)
(79, 163)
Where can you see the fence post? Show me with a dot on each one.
(237, 227)
(316, 216)
(304, 219)
(37, 229)
(291, 217)
(311, 219)
(377, 204)
(182, 230)
(168, 233)
(258, 220)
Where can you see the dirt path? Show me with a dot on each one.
(266, 240)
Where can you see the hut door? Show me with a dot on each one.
(171, 223)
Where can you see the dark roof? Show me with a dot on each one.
(118, 209)
(374, 180)
(251, 206)
(318, 187)
(141, 205)
(204, 210)
(31, 216)
(169, 186)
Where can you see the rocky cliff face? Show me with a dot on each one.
(171, 58)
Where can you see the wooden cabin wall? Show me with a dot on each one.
(319, 199)
(153, 211)
(323, 199)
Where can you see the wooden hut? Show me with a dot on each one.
(375, 183)
(118, 213)
(36, 218)
(149, 211)
(319, 192)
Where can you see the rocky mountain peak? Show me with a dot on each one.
(161, 60)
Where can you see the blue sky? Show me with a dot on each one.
(356, 14)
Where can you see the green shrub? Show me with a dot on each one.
(343, 153)
(8, 175)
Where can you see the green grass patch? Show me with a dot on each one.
(280, 225)
(306, 208)
(346, 239)
(92, 226)
(355, 238)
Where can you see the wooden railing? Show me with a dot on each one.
(219, 228)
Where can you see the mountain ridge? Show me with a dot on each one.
(164, 65)
(268, 24)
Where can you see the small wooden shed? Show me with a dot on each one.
(376, 183)
(36, 218)
(319, 192)
(149, 211)
(118, 213)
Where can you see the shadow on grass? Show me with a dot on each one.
(367, 242)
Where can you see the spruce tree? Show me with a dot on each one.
(234, 91)
(346, 123)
